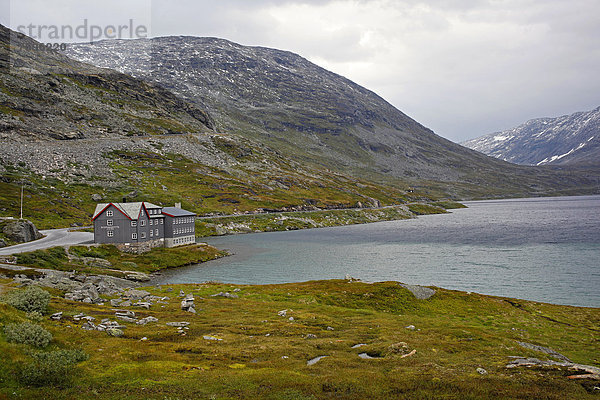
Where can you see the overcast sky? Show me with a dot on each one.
(463, 68)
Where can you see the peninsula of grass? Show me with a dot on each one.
(377, 341)
(287, 221)
(108, 260)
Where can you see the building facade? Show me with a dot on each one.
(180, 226)
(143, 222)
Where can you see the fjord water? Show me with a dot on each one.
(542, 249)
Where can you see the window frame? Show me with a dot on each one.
(109, 222)
(110, 233)
(134, 236)
(109, 213)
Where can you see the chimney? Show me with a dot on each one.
(178, 205)
(124, 199)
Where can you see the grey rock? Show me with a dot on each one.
(126, 319)
(115, 302)
(20, 231)
(543, 349)
(115, 332)
(88, 326)
(482, 371)
(208, 337)
(178, 324)
(315, 360)
(411, 327)
(56, 316)
(420, 292)
(135, 294)
(282, 313)
(125, 313)
(96, 197)
(96, 262)
(226, 294)
(310, 336)
(147, 320)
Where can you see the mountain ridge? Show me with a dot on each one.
(571, 139)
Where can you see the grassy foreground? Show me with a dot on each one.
(242, 348)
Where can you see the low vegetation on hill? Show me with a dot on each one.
(108, 260)
(313, 340)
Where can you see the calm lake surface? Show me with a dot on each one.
(543, 249)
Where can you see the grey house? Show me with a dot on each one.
(143, 223)
(180, 226)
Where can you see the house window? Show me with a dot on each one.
(109, 213)
(134, 223)
(134, 236)
(110, 233)
(151, 233)
(109, 222)
(143, 222)
(156, 232)
(143, 235)
(162, 221)
(150, 222)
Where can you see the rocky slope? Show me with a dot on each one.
(44, 94)
(75, 134)
(312, 114)
(566, 140)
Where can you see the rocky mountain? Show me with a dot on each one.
(74, 134)
(46, 94)
(567, 140)
(314, 115)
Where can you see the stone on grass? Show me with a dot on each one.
(178, 324)
(115, 332)
(481, 371)
(146, 320)
(56, 316)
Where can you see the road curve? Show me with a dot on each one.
(53, 237)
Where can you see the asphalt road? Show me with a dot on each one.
(53, 237)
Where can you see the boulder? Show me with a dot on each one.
(178, 324)
(20, 231)
(147, 320)
(2, 243)
(226, 294)
(115, 332)
(134, 294)
(96, 262)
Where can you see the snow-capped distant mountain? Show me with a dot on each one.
(570, 139)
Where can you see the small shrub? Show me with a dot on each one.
(53, 368)
(31, 299)
(27, 333)
(35, 316)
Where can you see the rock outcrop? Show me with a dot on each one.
(20, 230)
